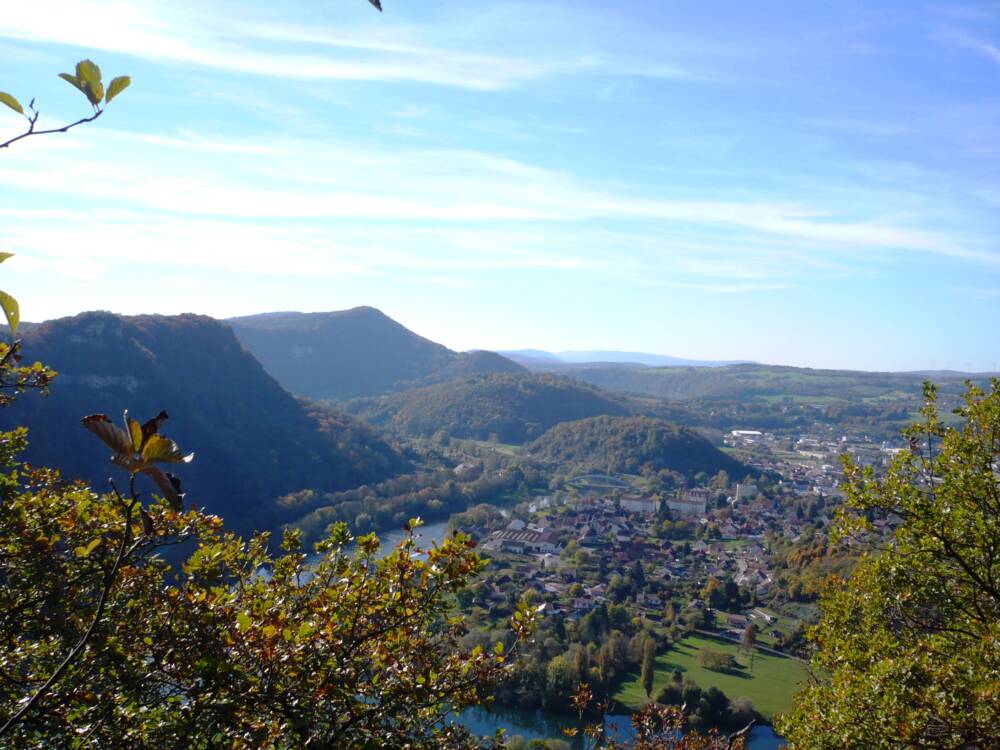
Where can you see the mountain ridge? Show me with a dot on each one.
(353, 353)
(252, 439)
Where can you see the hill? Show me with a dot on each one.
(351, 353)
(514, 408)
(253, 441)
(615, 445)
(753, 381)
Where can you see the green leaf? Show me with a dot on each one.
(243, 621)
(84, 551)
(89, 76)
(12, 310)
(73, 80)
(95, 93)
(117, 86)
(4, 256)
(11, 102)
(88, 72)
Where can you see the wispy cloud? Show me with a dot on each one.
(203, 35)
(292, 179)
(970, 41)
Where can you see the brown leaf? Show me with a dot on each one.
(112, 436)
(152, 427)
(169, 485)
(147, 523)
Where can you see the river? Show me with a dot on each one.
(425, 535)
(541, 725)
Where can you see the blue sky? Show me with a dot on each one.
(804, 183)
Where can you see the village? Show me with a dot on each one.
(711, 558)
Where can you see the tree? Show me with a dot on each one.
(908, 648)
(748, 640)
(97, 652)
(648, 666)
(710, 658)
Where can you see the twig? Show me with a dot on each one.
(34, 119)
(81, 645)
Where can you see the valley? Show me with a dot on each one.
(685, 516)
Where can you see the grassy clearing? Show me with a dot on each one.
(770, 685)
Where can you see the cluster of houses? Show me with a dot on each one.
(618, 528)
(622, 535)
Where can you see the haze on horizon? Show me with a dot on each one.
(791, 183)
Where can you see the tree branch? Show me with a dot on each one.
(31, 131)
(81, 645)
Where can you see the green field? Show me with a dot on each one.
(770, 686)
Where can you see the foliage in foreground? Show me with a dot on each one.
(236, 648)
(655, 727)
(911, 642)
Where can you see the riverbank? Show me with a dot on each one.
(543, 725)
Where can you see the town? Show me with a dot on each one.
(707, 561)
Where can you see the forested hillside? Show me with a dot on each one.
(632, 444)
(253, 440)
(350, 353)
(511, 408)
(752, 381)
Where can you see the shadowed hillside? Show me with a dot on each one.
(253, 441)
(350, 353)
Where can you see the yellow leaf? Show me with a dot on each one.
(11, 102)
(117, 86)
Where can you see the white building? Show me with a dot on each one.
(646, 505)
(690, 503)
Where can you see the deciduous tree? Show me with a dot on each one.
(908, 647)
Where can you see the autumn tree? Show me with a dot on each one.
(242, 648)
(908, 648)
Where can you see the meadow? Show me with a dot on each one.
(770, 684)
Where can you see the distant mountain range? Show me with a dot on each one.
(228, 387)
(252, 439)
(351, 353)
(749, 382)
(537, 359)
